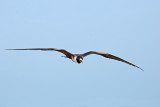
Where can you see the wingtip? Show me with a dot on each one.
(10, 49)
(14, 49)
(140, 69)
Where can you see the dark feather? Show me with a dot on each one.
(68, 54)
(106, 55)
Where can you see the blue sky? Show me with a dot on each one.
(129, 29)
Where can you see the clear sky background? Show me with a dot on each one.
(129, 29)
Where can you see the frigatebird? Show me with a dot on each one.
(78, 58)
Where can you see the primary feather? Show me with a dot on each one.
(107, 55)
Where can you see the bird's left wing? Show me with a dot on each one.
(68, 54)
(106, 55)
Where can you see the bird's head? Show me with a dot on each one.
(79, 59)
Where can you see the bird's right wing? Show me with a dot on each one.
(106, 55)
(68, 54)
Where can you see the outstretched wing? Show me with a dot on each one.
(106, 55)
(68, 54)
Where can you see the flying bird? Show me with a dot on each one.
(78, 58)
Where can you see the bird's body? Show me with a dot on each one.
(74, 59)
(78, 58)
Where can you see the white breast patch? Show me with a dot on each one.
(74, 59)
